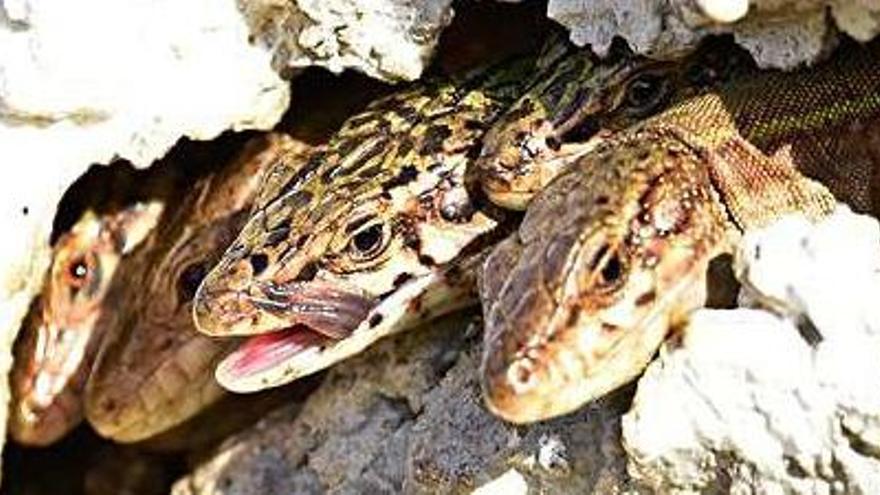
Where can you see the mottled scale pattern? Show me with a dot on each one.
(384, 206)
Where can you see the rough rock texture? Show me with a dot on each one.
(86, 82)
(386, 39)
(779, 33)
(781, 399)
(407, 416)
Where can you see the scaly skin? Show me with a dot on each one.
(57, 343)
(614, 252)
(153, 371)
(581, 101)
(364, 239)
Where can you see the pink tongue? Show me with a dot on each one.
(265, 351)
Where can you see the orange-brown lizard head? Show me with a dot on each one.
(56, 347)
(607, 258)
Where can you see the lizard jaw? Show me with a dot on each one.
(47, 392)
(278, 358)
(298, 320)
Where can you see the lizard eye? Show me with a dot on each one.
(607, 263)
(369, 241)
(646, 92)
(79, 270)
(612, 271)
(189, 280)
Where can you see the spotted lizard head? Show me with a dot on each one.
(606, 260)
(581, 100)
(57, 343)
(357, 241)
(154, 370)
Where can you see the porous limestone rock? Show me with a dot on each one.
(87, 82)
(407, 417)
(386, 39)
(779, 397)
(778, 33)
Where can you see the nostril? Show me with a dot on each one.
(553, 143)
(108, 405)
(582, 132)
(307, 273)
(521, 376)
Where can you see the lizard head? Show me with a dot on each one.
(350, 246)
(154, 370)
(56, 346)
(581, 101)
(607, 258)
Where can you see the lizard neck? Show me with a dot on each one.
(786, 142)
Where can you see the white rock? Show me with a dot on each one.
(724, 10)
(779, 33)
(744, 402)
(829, 271)
(386, 39)
(509, 483)
(86, 82)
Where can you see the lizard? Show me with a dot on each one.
(381, 231)
(153, 371)
(56, 345)
(584, 100)
(612, 255)
(345, 246)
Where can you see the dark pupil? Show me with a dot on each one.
(644, 91)
(612, 270)
(79, 270)
(191, 278)
(368, 239)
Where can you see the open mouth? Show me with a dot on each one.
(267, 351)
(278, 357)
(60, 355)
(315, 316)
(46, 384)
